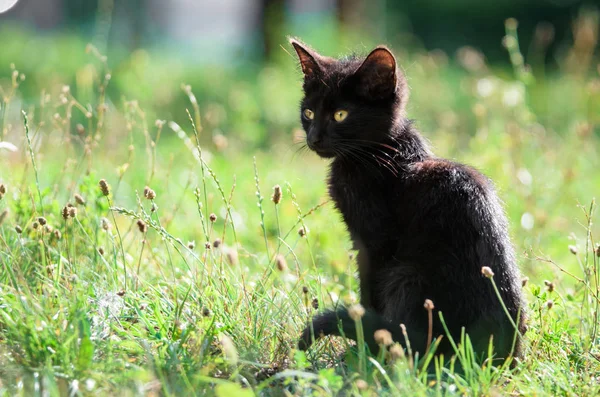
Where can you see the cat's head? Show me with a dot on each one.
(350, 101)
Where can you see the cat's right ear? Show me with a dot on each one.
(308, 59)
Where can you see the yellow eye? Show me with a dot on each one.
(340, 115)
(309, 114)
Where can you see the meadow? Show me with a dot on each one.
(143, 250)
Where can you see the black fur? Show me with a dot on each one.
(423, 226)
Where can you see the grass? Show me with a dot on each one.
(204, 286)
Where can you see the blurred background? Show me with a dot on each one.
(509, 86)
(220, 46)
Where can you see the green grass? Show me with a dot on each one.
(99, 304)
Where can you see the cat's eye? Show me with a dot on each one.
(340, 115)
(309, 114)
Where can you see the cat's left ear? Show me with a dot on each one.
(378, 74)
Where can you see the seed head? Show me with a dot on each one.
(361, 385)
(356, 311)
(104, 187)
(191, 245)
(229, 350)
(305, 289)
(428, 305)
(549, 304)
(315, 304)
(302, 232)
(18, 229)
(142, 226)
(573, 249)
(101, 251)
(57, 234)
(396, 351)
(281, 263)
(598, 250)
(524, 281)
(232, 256)
(205, 311)
(80, 129)
(42, 221)
(105, 224)
(65, 212)
(207, 245)
(72, 212)
(35, 225)
(121, 293)
(276, 197)
(217, 243)
(213, 218)
(149, 193)
(487, 272)
(48, 229)
(2, 190)
(549, 285)
(79, 199)
(383, 337)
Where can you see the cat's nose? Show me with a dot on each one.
(313, 139)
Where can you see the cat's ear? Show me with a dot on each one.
(309, 59)
(378, 74)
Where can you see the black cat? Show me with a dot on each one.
(423, 226)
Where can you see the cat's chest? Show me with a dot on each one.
(366, 204)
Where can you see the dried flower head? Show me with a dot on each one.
(57, 234)
(302, 232)
(356, 311)
(121, 292)
(149, 193)
(396, 351)
(142, 226)
(217, 243)
(191, 245)
(305, 289)
(65, 212)
(428, 305)
(2, 190)
(104, 187)
(72, 212)
(48, 228)
(573, 249)
(524, 281)
(281, 263)
(3, 215)
(549, 285)
(207, 245)
(101, 251)
(549, 304)
(79, 199)
(598, 250)
(42, 221)
(232, 256)
(212, 217)
(105, 224)
(361, 385)
(206, 311)
(229, 350)
(315, 303)
(276, 197)
(18, 229)
(487, 272)
(383, 337)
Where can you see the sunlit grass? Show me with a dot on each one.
(204, 285)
